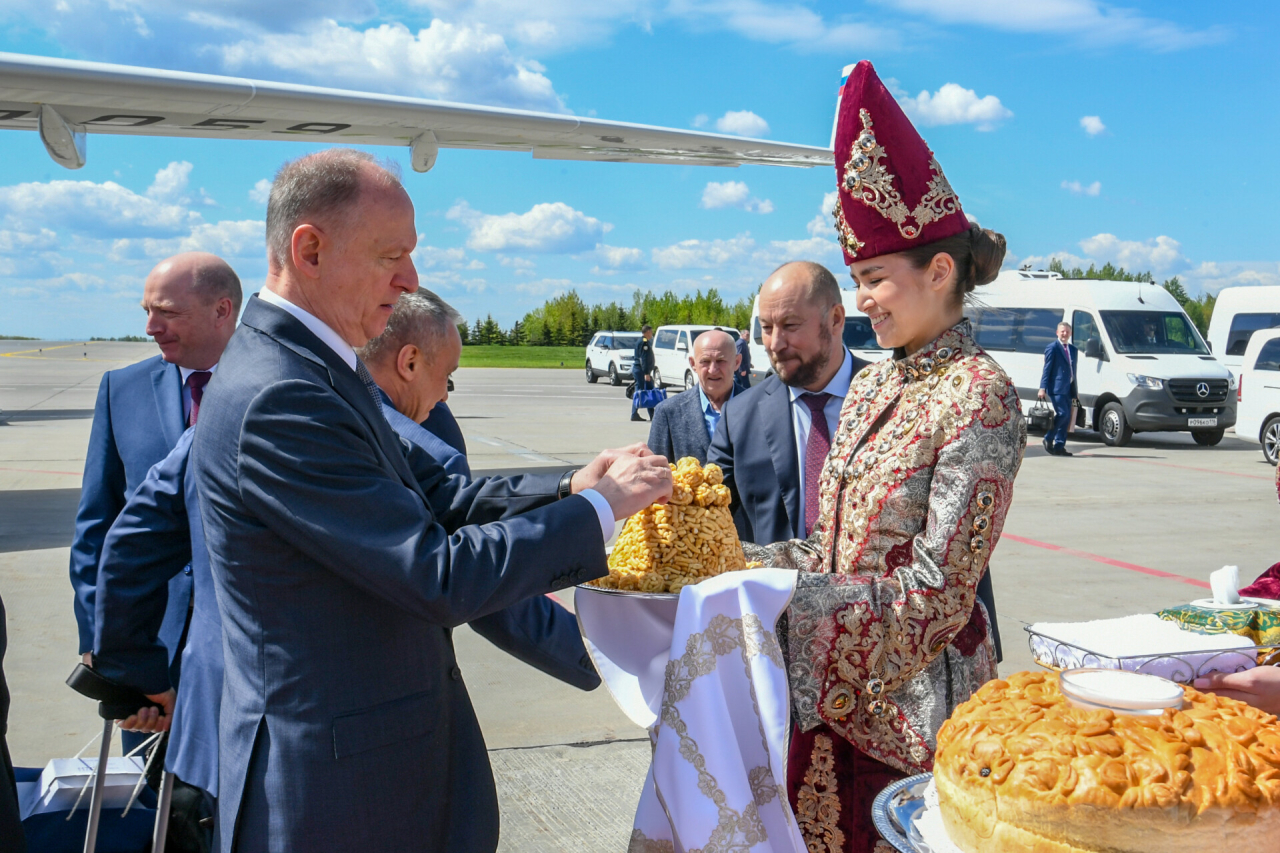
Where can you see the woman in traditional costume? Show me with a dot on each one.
(884, 635)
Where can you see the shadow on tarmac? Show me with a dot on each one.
(34, 519)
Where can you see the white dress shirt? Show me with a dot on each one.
(186, 392)
(802, 419)
(334, 341)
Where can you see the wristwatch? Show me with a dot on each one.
(566, 484)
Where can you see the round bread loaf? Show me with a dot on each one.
(1018, 768)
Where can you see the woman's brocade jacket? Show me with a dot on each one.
(885, 635)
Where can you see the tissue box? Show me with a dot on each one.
(63, 778)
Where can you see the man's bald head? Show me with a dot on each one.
(192, 301)
(713, 360)
(813, 281)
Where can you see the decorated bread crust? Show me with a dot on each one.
(1019, 768)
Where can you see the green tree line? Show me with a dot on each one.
(1199, 309)
(567, 320)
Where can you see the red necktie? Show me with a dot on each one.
(1070, 367)
(196, 381)
(815, 454)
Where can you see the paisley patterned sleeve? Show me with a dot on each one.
(855, 640)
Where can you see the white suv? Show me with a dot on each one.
(671, 348)
(610, 354)
(1258, 394)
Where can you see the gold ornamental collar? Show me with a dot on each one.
(933, 356)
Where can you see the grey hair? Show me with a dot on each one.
(316, 187)
(420, 318)
(823, 290)
(214, 280)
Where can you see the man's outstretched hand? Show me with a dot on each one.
(634, 482)
(1260, 686)
(152, 719)
(587, 477)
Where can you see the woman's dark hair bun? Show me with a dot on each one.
(987, 248)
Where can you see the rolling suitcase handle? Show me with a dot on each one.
(115, 702)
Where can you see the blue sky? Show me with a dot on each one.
(1140, 133)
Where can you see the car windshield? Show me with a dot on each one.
(693, 333)
(625, 341)
(858, 333)
(1153, 332)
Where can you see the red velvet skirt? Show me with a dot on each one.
(831, 784)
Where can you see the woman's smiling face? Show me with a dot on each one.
(908, 307)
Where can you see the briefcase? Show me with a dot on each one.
(1040, 418)
(650, 398)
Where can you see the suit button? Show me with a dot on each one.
(455, 673)
(186, 569)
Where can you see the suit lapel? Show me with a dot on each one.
(781, 438)
(289, 332)
(166, 384)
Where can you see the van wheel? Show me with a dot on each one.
(1116, 431)
(1207, 437)
(688, 380)
(1271, 439)
(614, 379)
(657, 378)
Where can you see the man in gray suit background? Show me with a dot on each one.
(343, 556)
(683, 425)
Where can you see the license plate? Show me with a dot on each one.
(1202, 422)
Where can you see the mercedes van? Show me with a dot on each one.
(1238, 313)
(858, 336)
(1143, 366)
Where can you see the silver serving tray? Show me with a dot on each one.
(627, 593)
(895, 808)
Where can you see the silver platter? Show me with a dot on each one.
(627, 593)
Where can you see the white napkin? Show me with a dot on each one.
(1225, 583)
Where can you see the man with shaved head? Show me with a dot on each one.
(683, 425)
(192, 301)
(772, 440)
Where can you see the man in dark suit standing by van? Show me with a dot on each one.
(1058, 384)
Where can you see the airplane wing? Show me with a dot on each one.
(64, 100)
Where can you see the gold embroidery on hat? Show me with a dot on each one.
(844, 234)
(868, 180)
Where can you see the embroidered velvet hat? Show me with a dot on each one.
(892, 194)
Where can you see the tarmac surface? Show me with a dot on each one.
(1110, 532)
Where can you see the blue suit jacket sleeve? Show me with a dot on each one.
(101, 499)
(1046, 373)
(305, 465)
(149, 543)
(543, 634)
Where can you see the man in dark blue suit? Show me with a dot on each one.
(192, 301)
(155, 538)
(342, 562)
(411, 363)
(683, 425)
(1058, 383)
(765, 441)
(742, 373)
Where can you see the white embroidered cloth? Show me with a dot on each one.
(705, 675)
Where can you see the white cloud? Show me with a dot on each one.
(1213, 276)
(733, 194)
(824, 224)
(13, 242)
(444, 61)
(1077, 188)
(954, 104)
(1163, 254)
(171, 182)
(700, 120)
(552, 228)
(1093, 21)
(1092, 125)
(742, 123)
(620, 258)
(101, 210)
(817, 249)
(261, 192)
(229, 239)
(704, 254)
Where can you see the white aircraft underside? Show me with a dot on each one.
(64, 100)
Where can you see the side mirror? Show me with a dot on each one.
(1093, 349)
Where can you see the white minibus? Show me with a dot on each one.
(671, 348)
(1258, 397)
(858, 336)
(1238, 313)
(1143, 366)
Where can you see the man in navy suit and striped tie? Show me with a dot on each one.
(1058, 383)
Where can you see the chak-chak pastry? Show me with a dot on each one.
(1019, 768)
